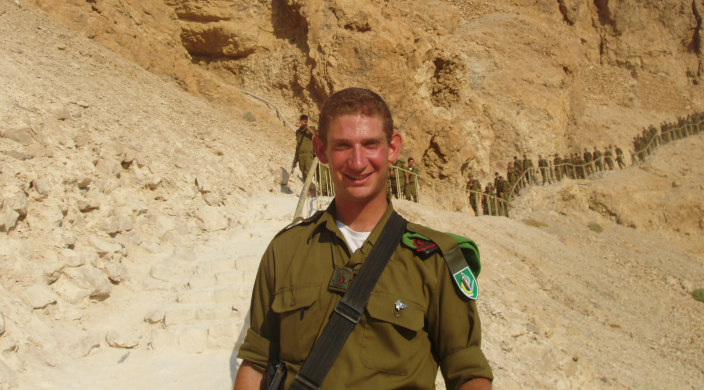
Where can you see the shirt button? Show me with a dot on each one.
(293, 302)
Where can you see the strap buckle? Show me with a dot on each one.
(304, 383)
(348, 312)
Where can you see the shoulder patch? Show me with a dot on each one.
(419, 243)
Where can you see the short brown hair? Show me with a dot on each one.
(351, 101)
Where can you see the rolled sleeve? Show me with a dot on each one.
(263, 329)
(456, 329)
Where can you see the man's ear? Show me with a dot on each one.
(320, 149)
(394, 147)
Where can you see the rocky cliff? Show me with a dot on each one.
(471, 83)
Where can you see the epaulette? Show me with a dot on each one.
(302, 221)
(460, 253)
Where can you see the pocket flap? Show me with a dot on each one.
(294, 298)
(382, 306)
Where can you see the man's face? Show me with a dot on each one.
(304, 122)
(411, 163)
(359, 156)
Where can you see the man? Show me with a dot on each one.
(619, 158)
(558, 167)
(528, 167)
(304, 146)
(474, 188)
(416, 318)
(412, 181)
(598, 159)
(543, 166)
(589, 168)
(609, 157)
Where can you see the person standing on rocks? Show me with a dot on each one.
(419, 315)
(304, 154)
(412, 181)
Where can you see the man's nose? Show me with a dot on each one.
(357, 159)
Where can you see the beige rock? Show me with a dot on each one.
(67, 289)
(154, 317)
(2, 324)
(91, 279)
(8, 219)
(120, 339)
(85, 345)
(21, 135)
(211, 218)
(103, 248)
(109, 166)
(193, 339)
(59, 111)
(71, 258)
(84, 182)
(17, 201)
(39, 296)
(42, 186)
(163, 338)
(115, 271)
(8, 378)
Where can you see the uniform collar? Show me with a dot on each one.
(327, 221)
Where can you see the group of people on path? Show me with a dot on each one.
(495, 198)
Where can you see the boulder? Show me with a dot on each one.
(58, 111)
(42, 186)
(69, 291)
(154, 317)
(8, 219)
(92, 279)
(109, 166)
(39, 296)
(118, 339)
(16, 201)
(21, 135)
(71, 258)
(84, 182)
(115, 271)
(103, 247)
(211, 218)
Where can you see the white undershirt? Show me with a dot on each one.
(354, 239)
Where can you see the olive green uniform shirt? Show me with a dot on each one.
(291, 304)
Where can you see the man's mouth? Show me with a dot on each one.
(358, 177)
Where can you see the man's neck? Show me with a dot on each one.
(360, 217)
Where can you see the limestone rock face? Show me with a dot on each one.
(503, 78)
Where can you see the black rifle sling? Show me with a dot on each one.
(350, 308)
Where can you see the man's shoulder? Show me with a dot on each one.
(300, 226)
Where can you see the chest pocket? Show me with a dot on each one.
(301, 318)
(394, 341)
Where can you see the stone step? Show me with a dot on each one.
(227, 294)
(221, 279)
(197, 338)
(184, 314)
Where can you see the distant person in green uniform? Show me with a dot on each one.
(609, 157)
(475, 189)
(543, 166)
(419, 316)
(619, 158)
(412, 181)
(304, 146)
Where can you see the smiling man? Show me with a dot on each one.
(421, 313)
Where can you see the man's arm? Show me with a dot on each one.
(476, 384)
(250, 377)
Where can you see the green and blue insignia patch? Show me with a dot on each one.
(467, 283)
